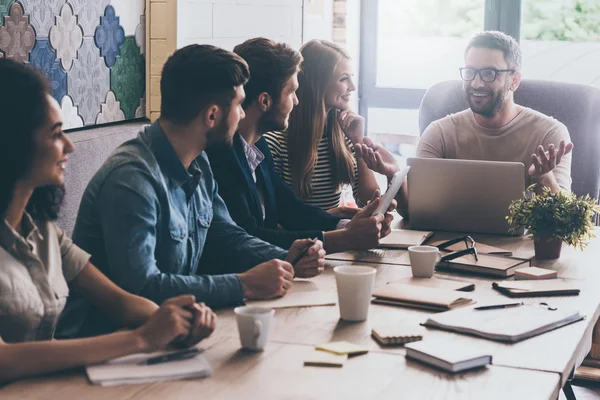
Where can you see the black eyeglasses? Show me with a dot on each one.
(469, 244)
(486, 74)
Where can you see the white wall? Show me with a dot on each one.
(226, 23)
(318, 25)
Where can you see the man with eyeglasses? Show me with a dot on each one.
(494, 128)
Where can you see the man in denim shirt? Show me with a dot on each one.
(152, 218)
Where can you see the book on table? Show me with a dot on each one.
(451, 357)
(535, 273)
(131, 369)
(421, 297)
(537, 288)
(509, 325)
(485, 265)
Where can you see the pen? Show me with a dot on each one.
(177, 356)
(301, 255)
(498, 306)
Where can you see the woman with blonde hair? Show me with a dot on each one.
(315, 156)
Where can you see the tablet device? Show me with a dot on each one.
(391, 191)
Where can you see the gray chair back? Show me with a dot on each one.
(576, 106)
(92, 148)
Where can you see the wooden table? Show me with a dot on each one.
(533, 369)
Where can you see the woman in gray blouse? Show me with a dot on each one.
(39, 263)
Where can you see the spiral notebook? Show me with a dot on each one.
(130, 369)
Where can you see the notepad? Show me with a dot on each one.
(437, 283)
(554, 287)
(343, 347)
(420, 297)
(403, 239)
(303, 293)
(451, 357)
(509, 325)
(533, 273)
(394, 336)
(319, 358)
(126, 370)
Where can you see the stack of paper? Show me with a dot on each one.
(130, 369)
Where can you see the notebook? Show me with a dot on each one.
(390, 336)
(555, 287)
(449, 357)
(318, 358)
(534, 273)
(481, 248)
(403, 239)
(509, 325)
(421, 297)
(438, 283)
(486, 265)
(303, 293)
(126, 370)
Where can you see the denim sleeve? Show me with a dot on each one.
(230, 248)
(128, 206)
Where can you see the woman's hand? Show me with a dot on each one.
(352, 124)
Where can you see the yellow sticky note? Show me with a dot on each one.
(343, 347)
(324, 359)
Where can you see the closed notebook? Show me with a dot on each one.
(486, 265)
(481, 248)
(450, 357)
(404, 238)
(509, 325)
(303, 293)
(127, 370)
(437, 283)
(420, 297)
(554, 287)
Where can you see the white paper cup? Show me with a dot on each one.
(423, 260)
(253, 326)
(354, 287)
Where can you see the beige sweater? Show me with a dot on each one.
(459, 136)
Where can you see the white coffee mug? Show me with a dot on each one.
(354, 287)
(423, 260)
(253, 325)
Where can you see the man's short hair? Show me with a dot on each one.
(271, 65)
(197, 76)
(499, 41)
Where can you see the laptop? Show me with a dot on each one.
(463, 195)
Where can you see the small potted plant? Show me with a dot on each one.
(553, 218)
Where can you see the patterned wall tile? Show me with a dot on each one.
(4, 5)
(127, 77)
(129, 11)
(17, 37)
(66, 37)
(42, 14)
(140, 34)
(71, 118)
(88, 81)
(88, 13)
(111, 110)
(43, 56)
(109, 36)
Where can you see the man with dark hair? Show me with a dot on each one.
(494, 128)
(151, 216)
(258, 199)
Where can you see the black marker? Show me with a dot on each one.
(178, 356)
(301, 255)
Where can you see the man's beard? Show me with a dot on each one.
(219, 135)
(272, 120)
(491, 108)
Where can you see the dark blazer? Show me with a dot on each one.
(282, 206)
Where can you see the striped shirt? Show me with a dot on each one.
(325, 193)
